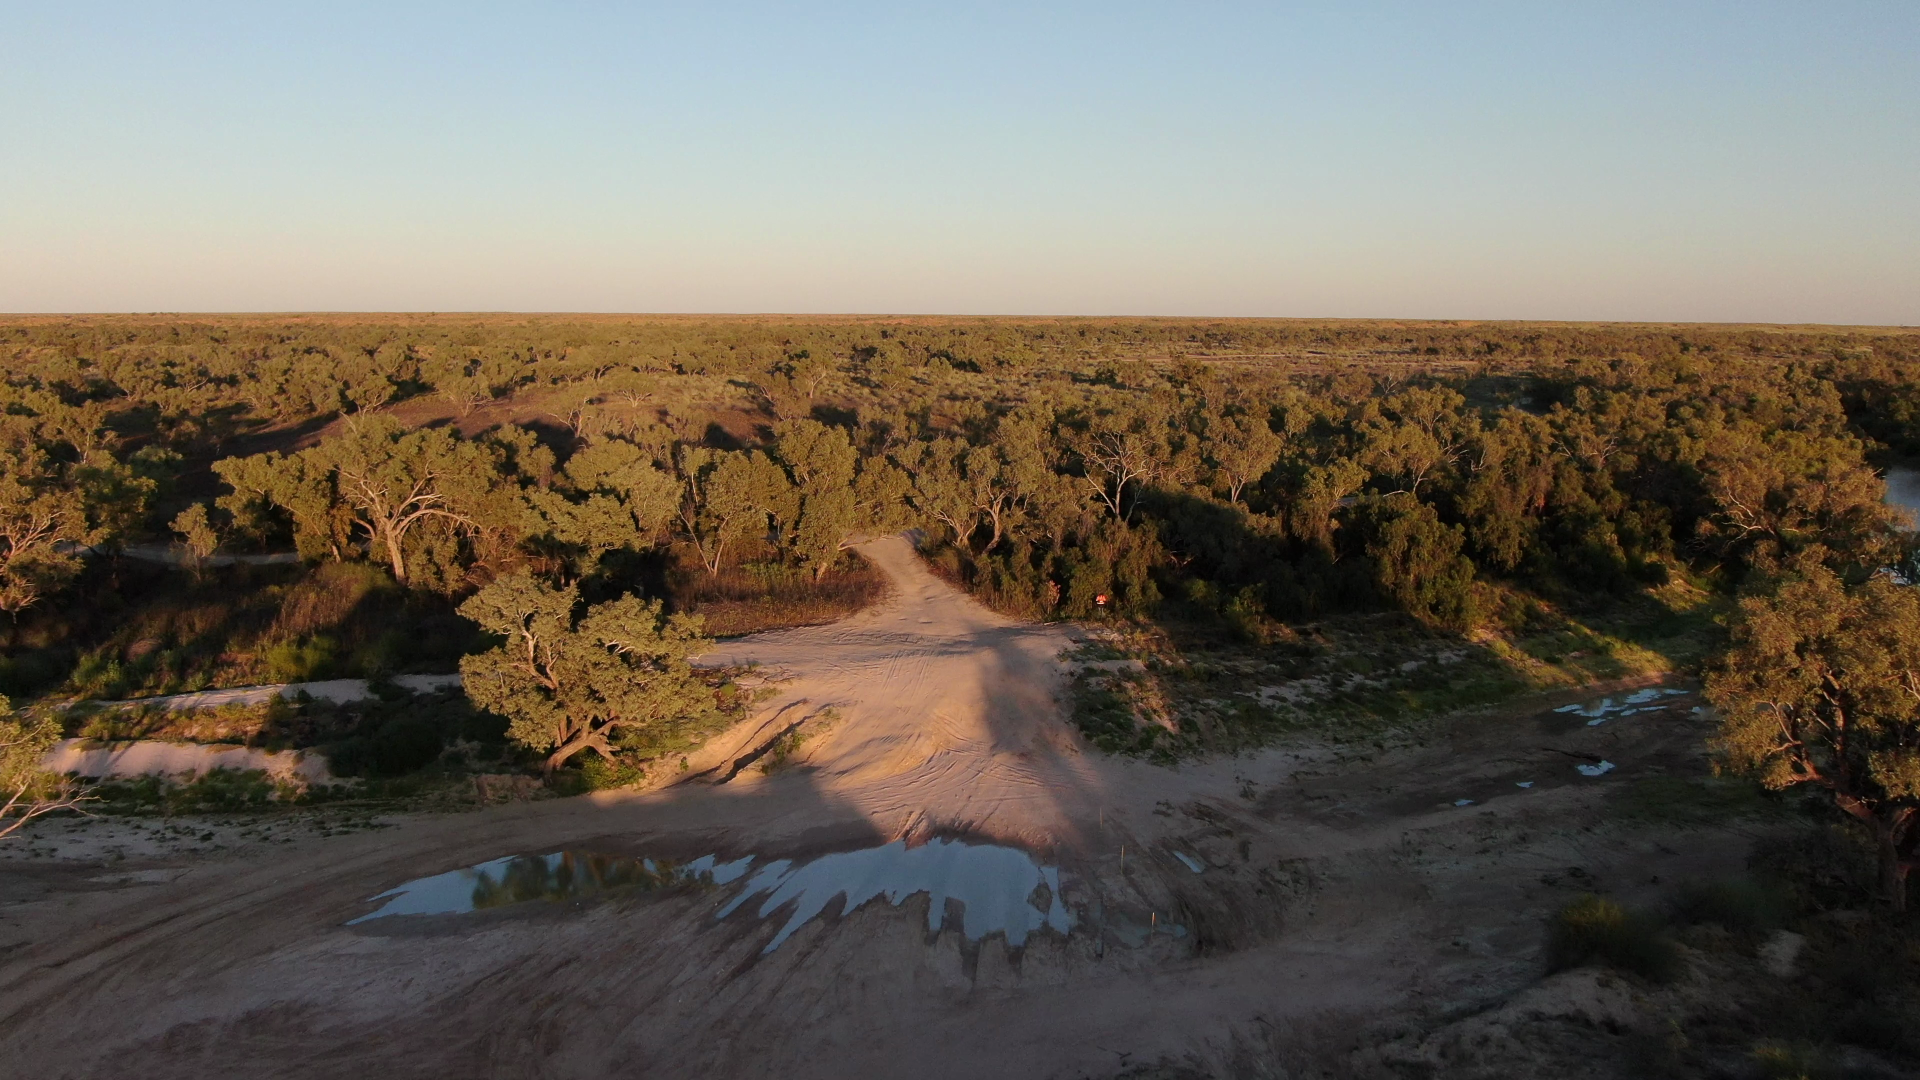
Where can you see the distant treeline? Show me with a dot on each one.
(1283, 469)
(191, 379)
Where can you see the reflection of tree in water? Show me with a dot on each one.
(569, 874)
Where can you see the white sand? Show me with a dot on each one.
(90, 759)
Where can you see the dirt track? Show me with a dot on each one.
(1339, 897)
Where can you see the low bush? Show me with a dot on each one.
(101, 675)
(392, 749)
(599, 774)
(395, 737)
(218, 790)
(233, 723)
(149, 630)
(1595, 930)
(1104, 713)
(303, 660)
(132, 795)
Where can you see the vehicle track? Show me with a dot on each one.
(1333, 888)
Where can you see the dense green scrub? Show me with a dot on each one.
(1548, 502)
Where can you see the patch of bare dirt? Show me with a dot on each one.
(1310, 892)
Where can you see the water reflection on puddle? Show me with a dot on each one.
(1903, 489)
(563, 875)
(1000, 889)
(1599, 712)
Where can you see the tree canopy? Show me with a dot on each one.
(1456, 474)
(570, 677)
(27, 790)
(1821, 686)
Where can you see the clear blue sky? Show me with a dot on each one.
(1660, 160)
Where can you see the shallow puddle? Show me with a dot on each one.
(1001, 889)
(563, 875)
(1599, 712)
(1903, 490)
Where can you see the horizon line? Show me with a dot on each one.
(1003, 317)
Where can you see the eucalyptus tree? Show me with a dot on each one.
(195, 528)
(570, 679)
(62, 492)
(27, 790)
(610, 495)
(989, 483)
(957, 484)
(1821, 687)
(796, 382)
(1120, 442)
(823, 466)
(1776, 492)
(43, 523)
(1417, 560)
(1241, 446)
(1406, 436)
(392, 479)
(730, 496)
(296, 484)
(1318, 493)
(1509, 474)
(471, 378)
(382, 481)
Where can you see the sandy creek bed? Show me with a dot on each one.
(1311, 892)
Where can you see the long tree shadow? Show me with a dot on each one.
(952, 734)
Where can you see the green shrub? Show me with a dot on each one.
(222, 790)
(100, 675)
(301, 661)
(401, 733)
(1246, 614)
(1105, 716)
(762, 596)
(132, 795)
(1680, 800)
(1833, 866)
(1595, 930)
(350, 757)
(780, 752)
(382, 656)
(600, 774)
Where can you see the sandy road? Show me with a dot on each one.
(1333, 895)
(934, 712)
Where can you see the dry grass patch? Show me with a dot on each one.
(764, 596)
